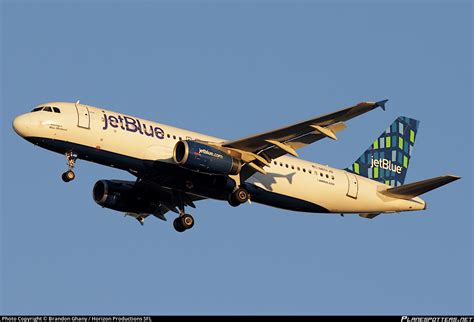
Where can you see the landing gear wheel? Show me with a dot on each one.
(187, 221)
(178, 226)
(71, 161)
(232, 201)
(240, 195)
(68, 176)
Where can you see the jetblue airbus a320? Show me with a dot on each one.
(174, 168)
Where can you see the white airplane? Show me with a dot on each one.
(175, 167)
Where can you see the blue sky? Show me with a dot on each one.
(231, 69)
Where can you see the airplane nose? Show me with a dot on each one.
(20, 125)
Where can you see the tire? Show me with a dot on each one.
(232, 201)
(177, 225)
(187, 221)
(241, 195)
(69, 175)
(64, 177)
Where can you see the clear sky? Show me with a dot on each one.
(231, 69)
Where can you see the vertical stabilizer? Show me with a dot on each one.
(387, 159)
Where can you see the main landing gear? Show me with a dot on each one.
(183, 222)
(186, 221)
(238, 197)
(71, 161)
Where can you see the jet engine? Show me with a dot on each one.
(204, 158)
(121, 196)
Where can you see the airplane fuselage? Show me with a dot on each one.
(137, 145)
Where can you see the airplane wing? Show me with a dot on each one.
(168, 199)
(266, 146)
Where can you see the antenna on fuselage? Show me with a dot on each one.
(78, 101)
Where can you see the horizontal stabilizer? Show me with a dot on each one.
(411, 190)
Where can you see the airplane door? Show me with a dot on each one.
(353, 185)
(83, 117)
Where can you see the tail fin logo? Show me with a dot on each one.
(387, 159)
(385, 164)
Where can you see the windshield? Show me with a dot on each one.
(46, 109)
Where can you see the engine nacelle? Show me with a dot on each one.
(120, 195)
(204, 158)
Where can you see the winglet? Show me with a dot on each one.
(381, 104)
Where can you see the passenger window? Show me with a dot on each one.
(274, 162)
(332, 177)
(56, 110)
(47, 109)
(309, 171)
(286, 165)
(327, 176)
(299, 168)
(180, 138)
(174, 137)
(321, 174)
(281, 164)
(293, 167)
(304, 170)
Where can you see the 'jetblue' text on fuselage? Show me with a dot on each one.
(131, 124)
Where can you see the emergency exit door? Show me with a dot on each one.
(353, 185)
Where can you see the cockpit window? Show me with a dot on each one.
(47, 109)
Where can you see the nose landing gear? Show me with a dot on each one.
(69, 175)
